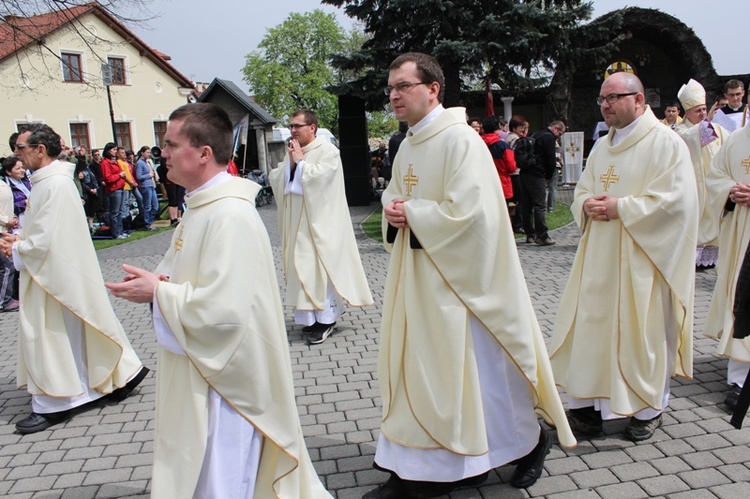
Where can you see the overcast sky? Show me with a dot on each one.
(208, 39)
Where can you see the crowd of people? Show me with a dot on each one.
(463, 369)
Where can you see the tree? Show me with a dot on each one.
(293, 70)
(515, 43)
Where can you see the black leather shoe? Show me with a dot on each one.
(529, 467)
(122, 393)
(732, 397)
(40, 422)
(392, 489)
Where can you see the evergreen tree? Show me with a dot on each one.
(517, 44)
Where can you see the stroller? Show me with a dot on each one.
(265, 195)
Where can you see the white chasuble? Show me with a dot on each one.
(701, 157)
(61, 278)
(632, 277)
(730, 166)
(318, 240)
(222, 305)
(465, 266)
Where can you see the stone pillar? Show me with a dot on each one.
(507, 107)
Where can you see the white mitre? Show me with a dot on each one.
(692, 94)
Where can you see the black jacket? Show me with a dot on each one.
(544, 149)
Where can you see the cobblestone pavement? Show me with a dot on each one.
(106, 451)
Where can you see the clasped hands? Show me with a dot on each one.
(601, 208)
(6, 244)
(740, 194)
(395, 214)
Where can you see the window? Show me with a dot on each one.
(79, 135)
(160, 130)
(122, 136)
(118, 70)
(71, 64)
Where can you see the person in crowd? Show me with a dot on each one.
(696, 130)
(96, 169)
(732, 115)
(322, 266)
(89, 191)
(625, 321)
(462, 362)
(672, 116)
(8, 222)
(534, 177)
(114, 181)
(145, 174)
(516, 125)
(130, 189)
(15, 176)
(476, 124)
(502, 157)
(224, 371)
(175, 193)
(729, 197)
(72, 348)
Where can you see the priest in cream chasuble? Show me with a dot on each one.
(322, 265)
(625, 321)
(463, 368)
(729, 186)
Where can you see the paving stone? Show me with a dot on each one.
(662, 485)
(704, 478)
(627, 490)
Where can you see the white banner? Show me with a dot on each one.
(572, 144)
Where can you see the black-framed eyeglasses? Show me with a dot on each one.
(612, 98)
(297, 126)
(402, 87)
(24, 146)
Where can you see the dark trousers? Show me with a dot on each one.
(517, 218)
(534, 205)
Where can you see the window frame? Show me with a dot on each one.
(123, 71)
(66, 56)
(77, 139)
(121, 137)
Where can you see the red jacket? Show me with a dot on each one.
(504, 159)
(111, 175)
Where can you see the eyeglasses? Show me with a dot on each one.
(402, 87)
(297, 126)
(24, 146)
(612, 98)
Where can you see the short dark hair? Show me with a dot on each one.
(309, 116)
(8, 164)
(490, 124)
(516, 121)
(733, 83)
(206, 124)
(44, 135)
(672, 104)
(428, 69)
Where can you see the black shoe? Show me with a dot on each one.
(121, 394)
(638, 429)
(586, 421)
(311, 328)
(392, 489)
(40, 422)
(547, 241)
(529, 468)
(733, 397)
(320, 333)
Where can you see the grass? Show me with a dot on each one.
(555, 219)
(100, 244)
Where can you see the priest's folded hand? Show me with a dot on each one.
(138, 286)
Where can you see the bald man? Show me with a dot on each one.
(626, 317)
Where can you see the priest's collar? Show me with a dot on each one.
(622, 133)
(429, 118)
(216, 180)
